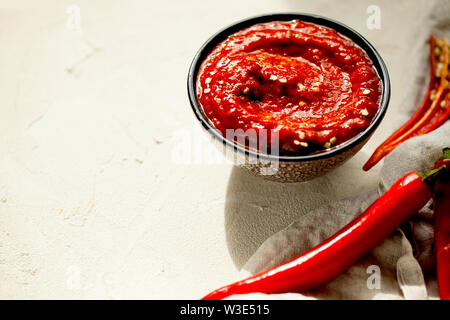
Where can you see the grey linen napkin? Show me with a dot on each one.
(405, 260)
(403, 275)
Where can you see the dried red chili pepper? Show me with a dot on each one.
(441, 203)
(434, 110)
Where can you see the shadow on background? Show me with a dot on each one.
(256, 208)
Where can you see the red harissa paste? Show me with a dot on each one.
(314, 86)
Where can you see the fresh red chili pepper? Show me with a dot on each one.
(332, 257)
(441, 203)
(435, 108)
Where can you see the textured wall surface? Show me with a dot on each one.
(94, 202)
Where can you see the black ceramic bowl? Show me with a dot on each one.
(290, 168)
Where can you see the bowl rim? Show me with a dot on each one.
(343, 29)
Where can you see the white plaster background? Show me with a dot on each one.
(88, 124)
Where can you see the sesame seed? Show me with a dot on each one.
(327, 145)
(437, 51)
(220, 81)
(364, 112)
(301, 143)
(333, 140)
(432, 95)
(301, 135)
(282, 80)
(273, 77)
(302, 103)
(366, 91)
(442, 104)
(304, 144)
(316, 89)
(207, 90)
(301, 86)
(246, 90)
(208, 80)
(439, 68)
